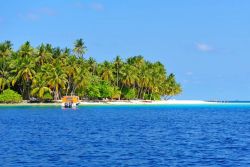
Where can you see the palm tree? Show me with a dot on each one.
(26, 50)
(143, 81)
(23, 70)
(118, 63)
(57, 80)
(52, 69)
(81, 80)
(80, 48)
(56, 52)
(44, 54)
(71, 69)
(106, 71)
(129, 75)
(4, 74)
(172, 88)
(92, 65)
(39, 86)
(5, 49)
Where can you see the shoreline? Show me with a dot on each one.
(115, 103)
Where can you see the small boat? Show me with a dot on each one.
(70, 101)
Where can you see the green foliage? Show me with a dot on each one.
(155, 96)
(46, 71)
(47, 97)
(10, 96)
(147, 97)
(106, 90)
(130, 94)
(116, 93)
(93, 92)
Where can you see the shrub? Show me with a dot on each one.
(153, 96)
(93, 92)
(105, 90)
(10, 96)
(146, 97)
(156, 96)
(47, 97)
(130, 94)
(116, 93)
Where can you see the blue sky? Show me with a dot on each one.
(205, 43)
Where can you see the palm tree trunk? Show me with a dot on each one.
(117, 79)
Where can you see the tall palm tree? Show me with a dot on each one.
(92, 65)
(106, 71)
(118, 64)
(71, 69)
(82, 80)
(79, 48)
(44, 54)
(26, 50)
(57, 80)
(129, 75)
(23, 70)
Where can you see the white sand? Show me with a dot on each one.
(122, 102)
(147, 102)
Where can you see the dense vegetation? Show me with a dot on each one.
(47, 72)
(10, 96)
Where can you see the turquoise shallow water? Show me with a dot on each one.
(176, 135)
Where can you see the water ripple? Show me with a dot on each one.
(125, 136)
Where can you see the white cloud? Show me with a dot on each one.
(36, 14)
(204, 47)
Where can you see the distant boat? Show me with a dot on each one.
(70, 101)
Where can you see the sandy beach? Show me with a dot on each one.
(121, 102)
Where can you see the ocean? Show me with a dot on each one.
(157, 135)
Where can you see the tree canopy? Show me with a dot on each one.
(47, 71)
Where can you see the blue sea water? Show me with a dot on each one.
(193, 135)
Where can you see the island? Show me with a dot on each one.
(46, 73)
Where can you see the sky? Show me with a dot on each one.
(206, 44)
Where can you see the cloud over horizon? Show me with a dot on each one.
(204, 47)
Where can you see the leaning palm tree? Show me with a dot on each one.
(40, 86)
(171, 86)
(79, 48)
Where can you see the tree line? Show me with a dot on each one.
(46, 72)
